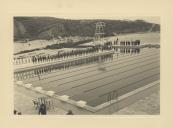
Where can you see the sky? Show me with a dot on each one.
(151, 19)
(148, 19)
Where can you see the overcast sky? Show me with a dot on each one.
(151, 19)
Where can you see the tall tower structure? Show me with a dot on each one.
(99, 32)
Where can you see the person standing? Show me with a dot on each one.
(15, 112)
(42, 109)
(69, 112)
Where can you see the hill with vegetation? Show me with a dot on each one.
(48, 27)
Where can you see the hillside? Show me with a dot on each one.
(47, 27)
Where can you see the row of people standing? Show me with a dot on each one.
(60, 55)
(130, 43)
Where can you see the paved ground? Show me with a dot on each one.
(23, 102)
(149, 105)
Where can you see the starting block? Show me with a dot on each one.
(64, 97)
(19, 83)
(50, 93)
(81, 103)
(28, 85)
(39, 89)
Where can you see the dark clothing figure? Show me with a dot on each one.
(42, 109)
(19, 113)
(70, 112)
(15, 112)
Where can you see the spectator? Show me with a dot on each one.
(69, 112)
(42, 109)
(15, 112)
(19, 113)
